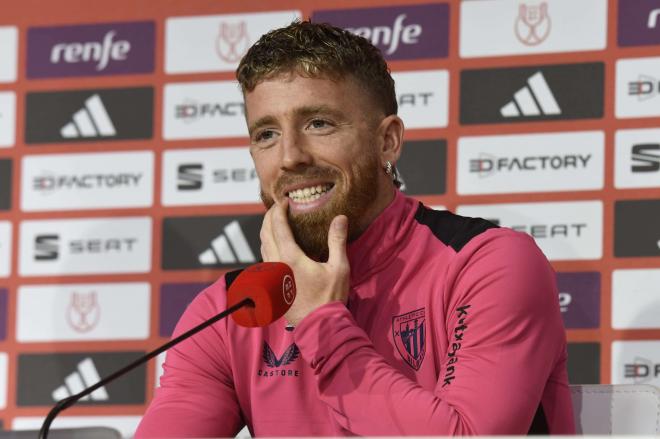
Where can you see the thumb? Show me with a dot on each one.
(337, 236)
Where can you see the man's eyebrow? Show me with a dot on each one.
(301, 112)
(266, 120)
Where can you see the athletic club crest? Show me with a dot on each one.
(409, 331)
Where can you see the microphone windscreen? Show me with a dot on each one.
(272, 288)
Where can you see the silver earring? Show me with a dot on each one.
(388, 167)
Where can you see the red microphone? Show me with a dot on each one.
(270, 286)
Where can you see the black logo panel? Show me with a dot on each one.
(522, 94)
(636, 228)
(422, 167)
(44, 379)
(89, 115)
(211, 242)
(5, 184)
(583, 363)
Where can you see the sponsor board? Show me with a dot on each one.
(531, 163)
(174, 299)
(638, 22)
(637, 158)
(91, 49)
(44, 379)
(400, 32)
(89, 115)
(423, 98)
(209, 177)
(7, 119)
(216, 43)
(512, 27)
(125, 425)
(636, 228)
(532, 93)
(211, 242)
(8, 53)
(201, 110)
(583, 363)
(579, 299)
(563, 230)
(4, 311)
(77, 312)
(636, 299)
(422, 167)
(87, 181)
(4, 362)
(5, 184)
(636, 362)
(85, 246)
(638, 87)
(5, 248)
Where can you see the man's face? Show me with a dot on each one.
(314, 142)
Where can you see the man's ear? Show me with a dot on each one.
(390, 132)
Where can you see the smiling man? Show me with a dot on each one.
(408, 321)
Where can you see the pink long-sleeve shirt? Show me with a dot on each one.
(452, 327)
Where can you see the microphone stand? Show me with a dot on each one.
(71, 400)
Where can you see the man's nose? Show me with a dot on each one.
(294, 152)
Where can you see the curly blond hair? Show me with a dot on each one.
(319, 50)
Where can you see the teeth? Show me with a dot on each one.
(309, 194)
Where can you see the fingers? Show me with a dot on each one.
(269, 251)
(286, 245)
(337, 236)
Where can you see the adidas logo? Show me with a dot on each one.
(535, 99)
(228, 248)
(86, 375)
(91, 121)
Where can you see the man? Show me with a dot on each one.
(408, 321)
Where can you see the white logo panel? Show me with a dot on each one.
(216, 43)
(7, 119)
(8, 53)
(637, 162)
(202, 110)
(209, 177)
(530, 163)
(638, 87)
(513, 27)
(5, 248)
(125, 425)
(87, 181)
(563, 230)
(85, 246)
(77, 312)
(636, 299)
(636, 362)
(423, 98)
(3, 379)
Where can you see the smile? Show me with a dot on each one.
(309, 194)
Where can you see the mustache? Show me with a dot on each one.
(290, 178)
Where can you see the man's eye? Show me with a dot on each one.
(319, 123)
(264, 135)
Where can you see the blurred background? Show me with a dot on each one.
(126, 185)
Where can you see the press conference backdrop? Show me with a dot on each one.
(126, 185)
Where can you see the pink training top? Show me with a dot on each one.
(452, 328)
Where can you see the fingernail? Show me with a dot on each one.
(340, 224)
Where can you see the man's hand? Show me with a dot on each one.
(316, 283)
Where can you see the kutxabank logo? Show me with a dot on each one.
(46, 378)
(520, 94)
(210, 242)
(400, 32)
(89, 115)
(93, 49)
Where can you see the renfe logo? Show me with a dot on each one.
(639, 23)
(86, 50)
(403, 32)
